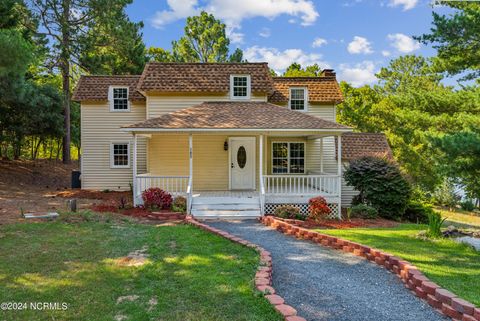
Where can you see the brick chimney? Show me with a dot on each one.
(328, 73)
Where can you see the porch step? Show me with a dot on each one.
(225, 200)
(226, 207)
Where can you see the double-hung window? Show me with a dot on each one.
(288, 158)
(119, 99)
(120, 155)
(240, 86)
(298, 99)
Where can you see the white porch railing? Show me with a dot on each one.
(175, 185)
(323, 185)
(189, 195)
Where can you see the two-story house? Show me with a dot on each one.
(232, 139)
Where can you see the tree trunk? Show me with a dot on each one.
(65, 67)
(37, 147)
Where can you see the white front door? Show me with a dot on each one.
(242, 162)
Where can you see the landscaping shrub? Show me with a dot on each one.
(287, 211)
(179, 204)
(417, 212)
(157, 198)
(381, 185)
(318, 208)
(363, 211)
(435, 222)
(444, 195)
(467, 205)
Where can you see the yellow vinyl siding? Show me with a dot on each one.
(162, 104)
(99, 128)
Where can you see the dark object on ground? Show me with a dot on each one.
(72, 205)
(76, 179)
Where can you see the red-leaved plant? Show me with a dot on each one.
(318, 208)
(157, 198)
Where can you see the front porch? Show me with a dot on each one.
(208, 161)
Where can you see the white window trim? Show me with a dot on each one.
(305, 90)
(112, 164)
(110, 99)
(249, 88)
(288, 157)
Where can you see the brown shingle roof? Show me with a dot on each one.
(323, 89)
(237, 115)
(356, 145)
(202, 77)
(96, 87)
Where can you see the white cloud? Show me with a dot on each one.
(407, 4)
(359, 74)
(318, 42)
(234, 36)
(360, 45)
(386, 53)
(234, 11)
(280, 60)
(265, 33)
(403, 43)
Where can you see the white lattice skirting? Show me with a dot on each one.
(271, 207)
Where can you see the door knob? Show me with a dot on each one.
(231, 165)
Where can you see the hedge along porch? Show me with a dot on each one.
(273, 165)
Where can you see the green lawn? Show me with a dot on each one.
(190, 274)
(460, 218)
(453, 266)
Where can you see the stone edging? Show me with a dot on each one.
(442, 300)
(263, 277)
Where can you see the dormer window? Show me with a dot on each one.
(298, 99)
(240, 86)
(118, 97)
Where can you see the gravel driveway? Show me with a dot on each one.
(325, 284)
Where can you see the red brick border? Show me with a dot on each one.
(442, 300)
(263, 277)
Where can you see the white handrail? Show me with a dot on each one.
(327, 185)
(262, 195)
(189, 195)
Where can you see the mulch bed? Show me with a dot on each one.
(139, 212)
(342, 224)
(97, 195)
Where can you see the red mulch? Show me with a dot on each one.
(90, 194)
(138, 212)
(343, 224)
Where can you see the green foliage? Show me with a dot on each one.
(457, 39)
(444, 194)
(159, 55)
(205, 40)
(467, 205)
(236, 56)
(417, 212)
(435, 222)
(179, 204)
(296, 70)
(287, 211)
(363, 211)
(380, 184)
(15, 55)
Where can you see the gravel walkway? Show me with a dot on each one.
(325, 284)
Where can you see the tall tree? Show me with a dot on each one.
(65, 23)
(205, 40)
(296, 70)
(457, 39)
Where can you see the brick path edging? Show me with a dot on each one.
(442, 300)
(263, 277)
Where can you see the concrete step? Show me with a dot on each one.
(236, 206)
(225, 200)
(226, 217)
(202, 213)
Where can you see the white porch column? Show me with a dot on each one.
(321, 155)
(260, 173)
(339, 172)
(190, 153)
(134, 165)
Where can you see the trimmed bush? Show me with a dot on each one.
(381, 185)
(287, 211)
(467, 205)
(363, 211)
(179, 204)
(156, 198)
(417, 212)
(318, 208)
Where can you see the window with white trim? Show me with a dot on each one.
(240, 86)
(119, 99)
(288, 158)
(120, 155)
(298, 99)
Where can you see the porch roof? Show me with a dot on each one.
(235, 116)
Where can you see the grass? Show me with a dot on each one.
(451, 265)
(460, 217)
(191, 274)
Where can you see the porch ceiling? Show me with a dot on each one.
(237, 116)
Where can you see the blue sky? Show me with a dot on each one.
(355, 37)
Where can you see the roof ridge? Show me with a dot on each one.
(110, 76)
(208, 63)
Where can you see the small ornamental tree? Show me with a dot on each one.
(318, 208)
(381, 185)
(156, 198)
